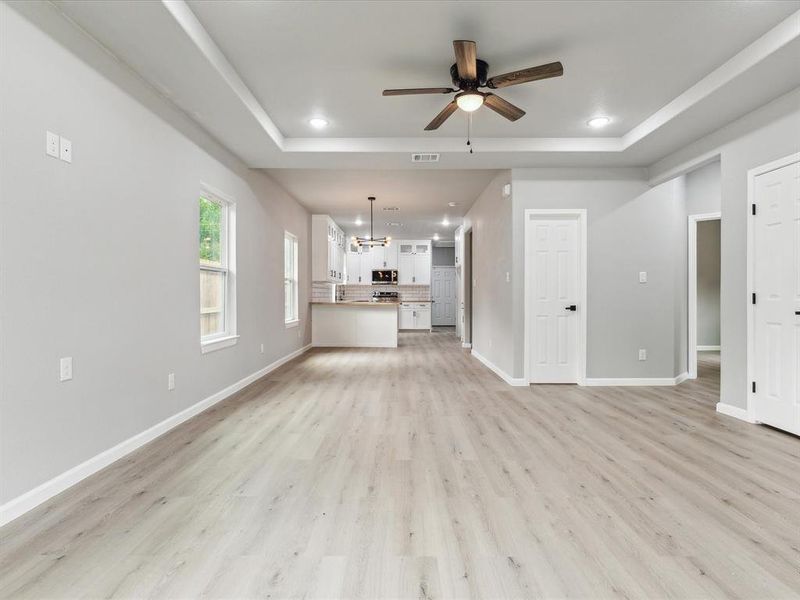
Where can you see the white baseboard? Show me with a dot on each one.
(636, 381)
(499, 372)
(735, 412)
(708, 348)
(18, 506)
(466, 345)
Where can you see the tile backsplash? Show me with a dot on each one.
(408, 293)
(322, 292)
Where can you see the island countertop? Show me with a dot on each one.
(366, 303)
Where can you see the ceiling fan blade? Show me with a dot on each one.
(466, 59)
(554, 69)
(503, 107)
(409, 91)
(442, 116)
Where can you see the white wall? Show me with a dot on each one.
(631, 228)
(708, 279)
(98, 258)
(765, 135)
(704, 189)
(492, 325)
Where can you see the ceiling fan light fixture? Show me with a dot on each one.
(469, 101)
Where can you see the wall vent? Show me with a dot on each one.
(424, 157)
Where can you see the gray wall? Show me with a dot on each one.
(98, 258)
(492, 325)
(444, 256)
(708, 278)
(765, 135)
(704, 189)
(631, 228)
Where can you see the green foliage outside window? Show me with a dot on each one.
(210, 227)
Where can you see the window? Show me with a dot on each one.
(290, 301)
(217, 271)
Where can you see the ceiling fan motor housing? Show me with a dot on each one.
(465, 84)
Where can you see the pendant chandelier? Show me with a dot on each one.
(371, 240)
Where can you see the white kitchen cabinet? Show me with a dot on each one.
(327, 250)
(414, 315)
(414, 262)
(353, 270)
(384, 257)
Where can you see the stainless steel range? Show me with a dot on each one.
(378, 296)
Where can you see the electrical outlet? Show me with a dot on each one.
(508, 277)
(642, 354)
(262, 348)
(171, 381)
(52, 145)
(642, 276)
(66, 368)
(66, 150)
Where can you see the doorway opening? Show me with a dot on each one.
(466, 302)
(704, 296)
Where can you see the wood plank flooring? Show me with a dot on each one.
(417, 473)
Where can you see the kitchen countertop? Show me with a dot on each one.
(356, 303)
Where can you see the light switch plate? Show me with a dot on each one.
(642, 354)
(66, 368)
(66, 150)
(52, 144)
(642, 276)
(171, 381)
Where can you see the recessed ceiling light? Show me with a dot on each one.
(445, 222)
(452, 204)
(598, 122)
(435, 236)
(318, 122)
(359, 222)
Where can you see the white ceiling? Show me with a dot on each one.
(253, 73)
(422, 197)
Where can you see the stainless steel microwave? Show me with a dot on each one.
(384, 277)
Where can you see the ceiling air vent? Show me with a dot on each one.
(424, 157)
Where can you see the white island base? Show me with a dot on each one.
(354, 324)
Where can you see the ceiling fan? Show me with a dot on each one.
(470, 73)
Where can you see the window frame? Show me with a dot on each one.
(228, 336)
(292, 320)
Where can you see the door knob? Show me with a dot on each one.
(571, 307)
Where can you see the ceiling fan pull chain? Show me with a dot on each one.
(469, 131)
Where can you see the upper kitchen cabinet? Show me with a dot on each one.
(384, 257)
(328, 246)
(414, 262)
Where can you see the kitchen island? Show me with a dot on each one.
(354, 324)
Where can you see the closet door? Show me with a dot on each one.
(776, 313)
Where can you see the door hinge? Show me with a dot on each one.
(754, 208)
(754, 298)
(754, 387)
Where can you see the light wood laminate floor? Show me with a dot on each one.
(417, 473)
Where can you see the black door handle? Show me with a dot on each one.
(571, 307)
(797, 312)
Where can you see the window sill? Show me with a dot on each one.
(218, 344)
(294, 323)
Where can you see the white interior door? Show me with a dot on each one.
(776, 314)
(552, 273)
(443, 294)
